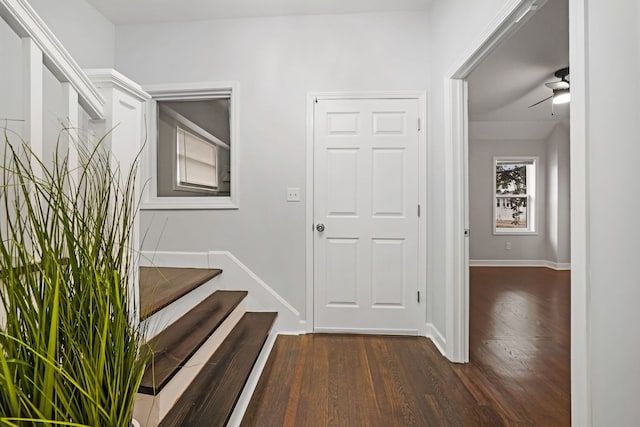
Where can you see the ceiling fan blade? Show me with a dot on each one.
(540, 102)
(557, 85)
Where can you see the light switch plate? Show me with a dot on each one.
(293, 194)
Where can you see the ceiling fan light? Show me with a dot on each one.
(561, 96)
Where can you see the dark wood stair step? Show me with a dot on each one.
(176, 344)
(160, 286)
(211, 397)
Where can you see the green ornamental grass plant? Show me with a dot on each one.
(70, 350)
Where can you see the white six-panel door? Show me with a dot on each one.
(366, 215)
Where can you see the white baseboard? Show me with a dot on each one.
(304, 327)
(381, 331)
(558, 265)
(437, 338)
(235, 276)
(519, 263)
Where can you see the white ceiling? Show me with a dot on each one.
(146, 11)
(513, 76)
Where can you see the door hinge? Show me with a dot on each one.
(418, 296)
(419, 123)
(418, 211)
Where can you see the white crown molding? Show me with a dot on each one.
(110, 78)
(24, 20)
(195, 90)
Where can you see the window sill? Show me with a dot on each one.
(515, 233)
(189, 203)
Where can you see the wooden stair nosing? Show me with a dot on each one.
(212, 396)
(176, 344)
(162, 282)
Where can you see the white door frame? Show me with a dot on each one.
(421, 96)
(513, 15)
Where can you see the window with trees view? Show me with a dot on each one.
(514, 201)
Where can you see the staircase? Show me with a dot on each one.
(205, 344)
(202, 360)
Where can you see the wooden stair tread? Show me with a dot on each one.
(177, 343)
(211, 397)
(160, 286)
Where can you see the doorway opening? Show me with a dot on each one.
(458, 134)
(518, 190)
(540, 234)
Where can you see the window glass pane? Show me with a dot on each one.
(511, 178)
(196, 161)
(194, 143)
(511, 213)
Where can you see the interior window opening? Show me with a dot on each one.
(193, 148)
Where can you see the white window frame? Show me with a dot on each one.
(532, 202)
(184, 92)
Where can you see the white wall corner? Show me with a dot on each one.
(261, 296)
(437, 338)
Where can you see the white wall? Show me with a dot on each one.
(558, 233)
(549, 141)
(483, 244)
(84, 32)
(11, 80)
(276, 61)
(613, 175)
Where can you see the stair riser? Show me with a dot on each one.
(149, 409)
(159, 321)
(161, 286)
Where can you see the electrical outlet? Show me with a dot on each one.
(293, 194)
(507, 246)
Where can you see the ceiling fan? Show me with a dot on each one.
(561, 93)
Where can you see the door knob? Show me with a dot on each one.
(320, 227)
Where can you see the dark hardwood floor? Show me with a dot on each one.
(519, 373)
